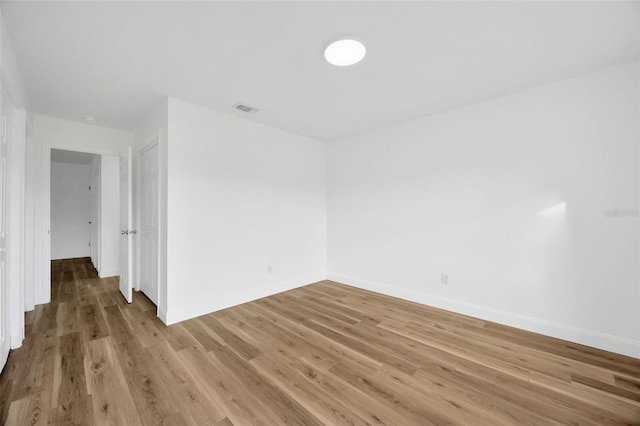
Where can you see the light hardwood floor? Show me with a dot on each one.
(321, 354)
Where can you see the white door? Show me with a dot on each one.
(149, 224)
(126, 233)
(4, 302)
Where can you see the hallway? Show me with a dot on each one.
(50, 366)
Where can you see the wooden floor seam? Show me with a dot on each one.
(322, 354)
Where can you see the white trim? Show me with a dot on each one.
(582, 336)
(43, 294)
(161, 237)
(163, 209)
(15, 231)
(31, 258)
(638, 166)
(155, 141)
(136, 220)
(162, 314)
(29, 228)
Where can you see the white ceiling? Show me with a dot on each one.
(117, 60)
(63, 156)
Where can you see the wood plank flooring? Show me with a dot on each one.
(321, 354)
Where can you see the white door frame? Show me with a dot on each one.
(43, 290)
(15, 132)
(30, 270)
(96, 167)
(5, 293)
(15, 243)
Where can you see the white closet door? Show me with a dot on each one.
(149, 223)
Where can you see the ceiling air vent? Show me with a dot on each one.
(245, 108)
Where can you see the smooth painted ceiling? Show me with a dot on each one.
(117, 60)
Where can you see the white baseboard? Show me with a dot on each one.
(104, 273)
(162, 314)
(594, 339)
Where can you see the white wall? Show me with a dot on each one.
(466, 192)
(82, 137)
(10, 76)
(70, 210)
(246, 210)
(109, 216)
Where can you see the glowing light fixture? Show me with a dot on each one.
(345, 52)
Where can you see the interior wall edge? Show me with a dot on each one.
(585, 337)
(173, 316)
(162, 314)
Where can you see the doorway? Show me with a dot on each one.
(84, 209)
(121, 232)
(71, 202)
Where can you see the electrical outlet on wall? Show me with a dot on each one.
(444, 279)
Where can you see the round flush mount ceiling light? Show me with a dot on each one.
(89, 119)
(345, 52)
